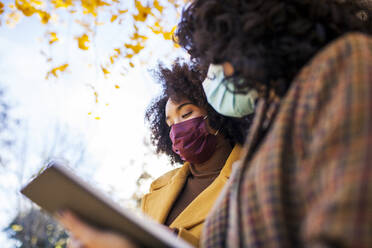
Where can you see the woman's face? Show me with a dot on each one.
(176, 112)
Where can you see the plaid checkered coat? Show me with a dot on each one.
(308, 182)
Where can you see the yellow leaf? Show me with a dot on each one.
(102, 3)
(90, 113)
(54, 70)
(167, 35)
(123, 11)
(175, 38)
(62, 3)
(91, 6)
(117, 50)
(97, 118)
(105, 71)
(36, 2)
(17, 228)
(107, 104)
(157, 29)
(174, 29)
(143, 12)
(158, 6)
(137, 36)
(112, 59)
(135, 48)
(96, 96)
(129, 56)
(82, 42)
(25, 7)
(53, 37)
(45, 16)
(113, 18)
(1, 8)
(131, 64)
(117, 86)
(28, 9)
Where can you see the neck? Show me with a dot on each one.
(218, 159)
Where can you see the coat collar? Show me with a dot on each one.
(196, 212)
(158, 203)
(163, 193)
(265, 114)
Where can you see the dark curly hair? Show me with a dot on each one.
(184, 81)
(269, 41)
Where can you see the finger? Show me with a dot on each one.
(74, 243)
(80, 230)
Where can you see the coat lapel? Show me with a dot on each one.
(196, 212)
(265, 114)
(159, 202)
(254, 130)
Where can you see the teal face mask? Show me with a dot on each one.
(222, 97)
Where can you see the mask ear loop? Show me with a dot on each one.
(215, 134)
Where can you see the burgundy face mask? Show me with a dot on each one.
(192, 141)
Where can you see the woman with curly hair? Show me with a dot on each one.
(188, 130)
(305, 177)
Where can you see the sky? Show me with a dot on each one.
(64, 109)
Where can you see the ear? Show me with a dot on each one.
(228, 69)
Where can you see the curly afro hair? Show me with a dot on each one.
(269, 41)
(184, 81)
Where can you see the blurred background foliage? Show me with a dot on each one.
(74, 24)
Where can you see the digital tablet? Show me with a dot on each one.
(56, 188)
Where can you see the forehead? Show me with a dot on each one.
(171, 106)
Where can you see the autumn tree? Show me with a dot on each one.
(139, 18)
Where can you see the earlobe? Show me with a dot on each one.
(228, 69)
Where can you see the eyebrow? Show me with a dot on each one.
(182, 105)
(179, 108)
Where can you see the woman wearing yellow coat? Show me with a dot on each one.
(183, 197)
(164, 192)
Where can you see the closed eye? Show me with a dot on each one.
(187, 114)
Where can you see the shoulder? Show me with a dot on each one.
(333, 88)
(163, 180)
(344, 51)
(348, 45)
(339, 64)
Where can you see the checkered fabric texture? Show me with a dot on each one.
(308, 182)
(363, 3)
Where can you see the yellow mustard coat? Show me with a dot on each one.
(164, 192)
